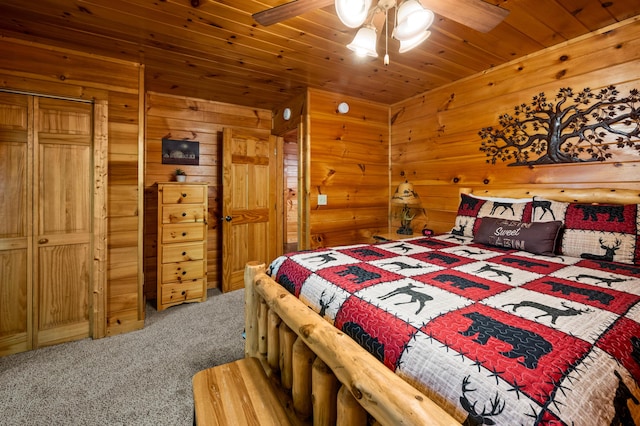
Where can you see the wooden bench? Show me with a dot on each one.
(236, 393)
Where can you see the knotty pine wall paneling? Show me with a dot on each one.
(349, 163)
(44, 70)
(175, 117)
(434, 136)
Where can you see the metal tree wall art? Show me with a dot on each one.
(575, 127)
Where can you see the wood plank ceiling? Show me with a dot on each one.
(214, 50)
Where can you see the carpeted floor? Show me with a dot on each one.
(138, 378)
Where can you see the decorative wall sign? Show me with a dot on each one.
(180, 152)
(573, 128)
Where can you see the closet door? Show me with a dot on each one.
(62, 204)
(15, 225)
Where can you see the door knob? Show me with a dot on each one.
(43, 241)
(227, 218)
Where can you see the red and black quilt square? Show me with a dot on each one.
(433, 243)
(447, 260)
(526, 354)
(602, 217)
(600, 297)
(465, 285)
(367, 253)
(538, 266)
(614, 267)
(622, 341)
(356, 276)
(292, 276)
(379, 332)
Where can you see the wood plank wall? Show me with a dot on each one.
(434, 136)
(290, 188)
(181, 118)
(49, 71)
(350, 165)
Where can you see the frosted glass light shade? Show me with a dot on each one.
(364, 43)
(413, 20)
(352, 13)
(406, 45)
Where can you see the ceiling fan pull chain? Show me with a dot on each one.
(386, 36)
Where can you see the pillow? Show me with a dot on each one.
(534, 237)
(594, 231)
(471, 208)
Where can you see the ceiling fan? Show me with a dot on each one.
(475, 14)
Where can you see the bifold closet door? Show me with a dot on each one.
(63, 189)
(15, 223)
(46, 195)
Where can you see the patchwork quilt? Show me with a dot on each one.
(495, 336)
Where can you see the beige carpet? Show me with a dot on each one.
(138, 378)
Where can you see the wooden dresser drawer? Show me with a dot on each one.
(183, 232)
(182, 252)
(181, 292)
(183, 271)
(183, 194)
(176, 213)
(181, 243)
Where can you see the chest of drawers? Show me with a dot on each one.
(182, 243)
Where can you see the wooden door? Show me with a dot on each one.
(63, 189)
(248, 203)
(15, 225)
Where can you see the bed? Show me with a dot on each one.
(525, 313)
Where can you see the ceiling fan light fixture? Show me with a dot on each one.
(412, 20)
(352, 13)
(364, 43)
(406, 45)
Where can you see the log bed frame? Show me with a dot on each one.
(327, 378)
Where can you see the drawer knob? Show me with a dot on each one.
(184, 272)
(184, 195)
(184, 253)
(43, 241)
(184, 214)
(184, 234)
(183, 293)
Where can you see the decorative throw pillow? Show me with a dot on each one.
(594, 231)
(534, 237)
(472, 208)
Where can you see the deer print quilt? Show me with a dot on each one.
(494, 335)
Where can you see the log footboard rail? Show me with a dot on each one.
(330, 379)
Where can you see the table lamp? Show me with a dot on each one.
(406, 197)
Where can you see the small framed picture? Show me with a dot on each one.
(180, 152)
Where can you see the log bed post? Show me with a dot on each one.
(383, 394)
(251, 309)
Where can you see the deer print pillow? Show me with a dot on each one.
(472, 208)
(606, 232)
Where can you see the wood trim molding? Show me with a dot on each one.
(569, 195)
(100, 200)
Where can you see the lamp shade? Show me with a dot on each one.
(413, 19)
(405, 195)
(364, 43)
(352, 13)
(406, 45)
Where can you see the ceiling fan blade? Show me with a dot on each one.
(476, 14)
(288, 10)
